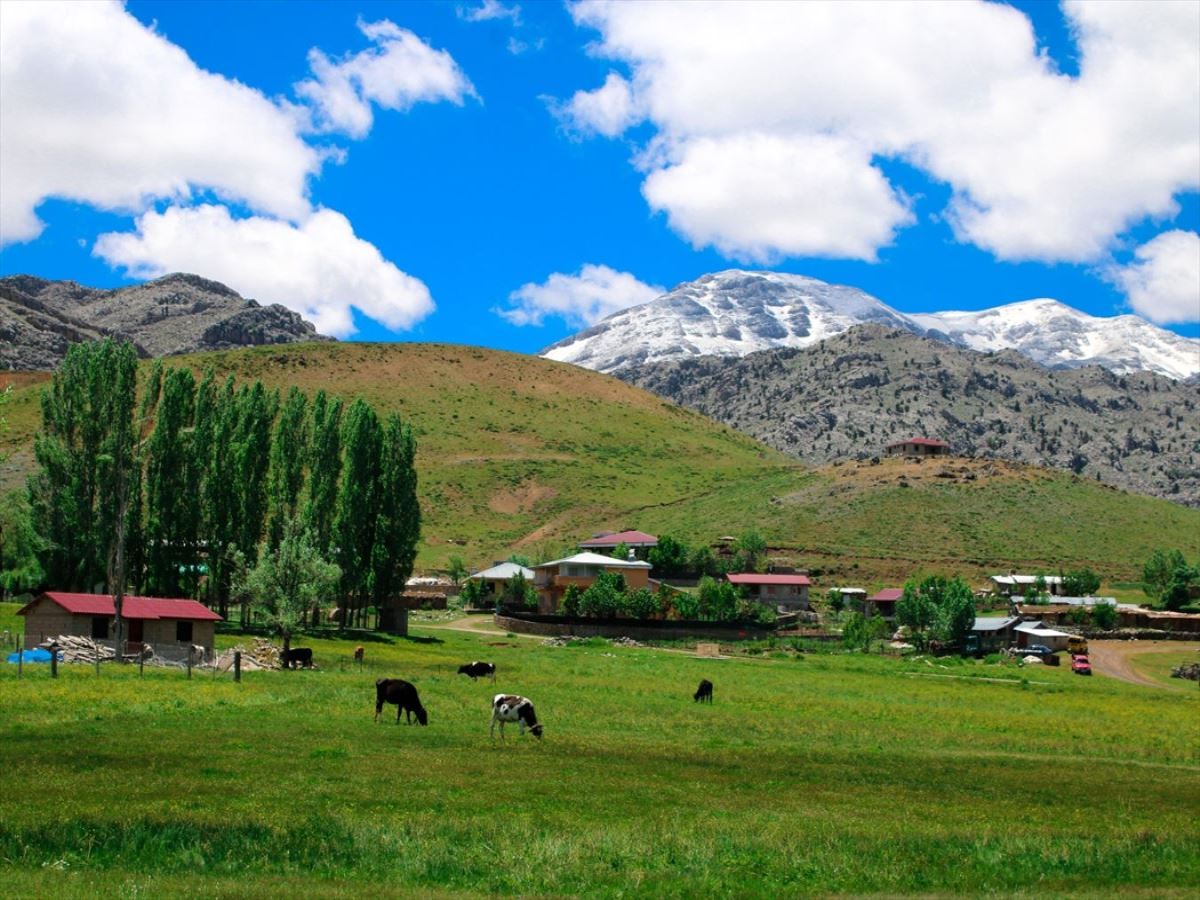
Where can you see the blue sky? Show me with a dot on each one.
(490, 176)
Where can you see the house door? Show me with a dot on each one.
(133, 643)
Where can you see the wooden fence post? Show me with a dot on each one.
(54, 660)
(96, 646)
(237, 665)
(141, 664)
(189, 663)
(20, 661)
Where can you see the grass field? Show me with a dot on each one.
(519, 453)
(831, 773)
(1158, 666)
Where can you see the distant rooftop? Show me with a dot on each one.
(616, 538)
(596, 559)
(754, 578)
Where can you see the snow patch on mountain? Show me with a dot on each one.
(734, 313)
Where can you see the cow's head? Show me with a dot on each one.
(464, 670)
(422, 716)
(536, 731)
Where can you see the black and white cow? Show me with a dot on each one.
(404, 695)
(511, 708)
(478, 670)
(704, 692)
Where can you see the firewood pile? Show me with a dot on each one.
(77, 649)
(262, 654)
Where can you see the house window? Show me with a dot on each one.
(573, 571)
(183, 632)
(99, 628)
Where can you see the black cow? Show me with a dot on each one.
(704, 692)
(404, 695)
(478, 670)
(301, 656)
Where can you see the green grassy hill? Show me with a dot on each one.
(520, 453)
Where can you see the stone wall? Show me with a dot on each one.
(642, 630)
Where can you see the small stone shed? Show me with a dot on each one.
(170, 626)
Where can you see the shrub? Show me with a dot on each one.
(471, 593)
(1080, 583)
(686, 606)
(670, 557)
(1104, 615)
(571, 600)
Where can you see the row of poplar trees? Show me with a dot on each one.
(178, 492)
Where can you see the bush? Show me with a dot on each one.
(1104, 615)
(571, 600)
(670, 557)
(686, 606)
(1080, 583)
(471, 594)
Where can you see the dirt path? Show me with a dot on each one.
(1111, 658)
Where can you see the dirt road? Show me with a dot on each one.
(1111, 658)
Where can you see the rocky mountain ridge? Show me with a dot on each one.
(179, 313)
(734, 313)
(851, 395)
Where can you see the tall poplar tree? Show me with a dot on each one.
(354, 527)
(173, 517)
(324, 469)
(289, 453)
(216, 431)
(397, 516)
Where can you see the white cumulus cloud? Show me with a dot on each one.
(607, 110)
(489, 10)
(399, 71)
(99, 109)
(1163, 281)
(1041, 165)
(320, 268)
(594, 293)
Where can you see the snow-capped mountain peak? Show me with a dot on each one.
(736, 312)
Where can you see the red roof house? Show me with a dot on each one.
(790, 591)
(169, 625)
(637, 541)
(883, 603)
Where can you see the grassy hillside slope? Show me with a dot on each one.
(520, 453)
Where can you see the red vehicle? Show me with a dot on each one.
(1080, 665)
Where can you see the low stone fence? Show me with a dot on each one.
(1137, 634)
(639, 629)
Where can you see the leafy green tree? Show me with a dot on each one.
(915, 607)
(669, 558)
(945, 608)
(289, 453)
(572, 600)
(1165, 578)
(639, 604)
(456, 568)
(324, 468)
(518, 593)
(621, 551)
(859, 632)
(289, 580)
(471, 593)
(1179, 589)
(173, 517)
(717, 599)
(354, 527)
(603, 598)
(835, 600)
(20, 545)
(751, 549)
(1080, 583)
(1104, 615)
(686, 606)
(397, 512)
(702, 561)
(520, 560)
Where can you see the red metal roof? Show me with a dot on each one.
(131, 607)
(888, 595)
(629, 538)
(920, 441)
(753, 578)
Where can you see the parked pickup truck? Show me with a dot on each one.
(1080, 664)
(1077, 646)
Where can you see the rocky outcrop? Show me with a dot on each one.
(853, 394)
(175, 314)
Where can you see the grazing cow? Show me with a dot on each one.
(359, 652)
(297, 656)
(404, 695)
(511, 708)
(704, 692)
(478, 670)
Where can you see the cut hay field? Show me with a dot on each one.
(834, 774)
(517, 453)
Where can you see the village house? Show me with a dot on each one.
(993, 634)
(169, 626)
(920, 447)
(606, 542)
(883, 603)
(1013, 584)
(787, 591)
(551, 579)
(494, 579)
(1029, 633)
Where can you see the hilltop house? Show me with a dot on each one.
(551, 579)
(1012, 583)
(883, 603)
(170, 626)
(606, 542)
(920, 447)
(788, 591)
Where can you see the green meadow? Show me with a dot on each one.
(830, 773)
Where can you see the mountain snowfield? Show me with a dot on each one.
(733, 313)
